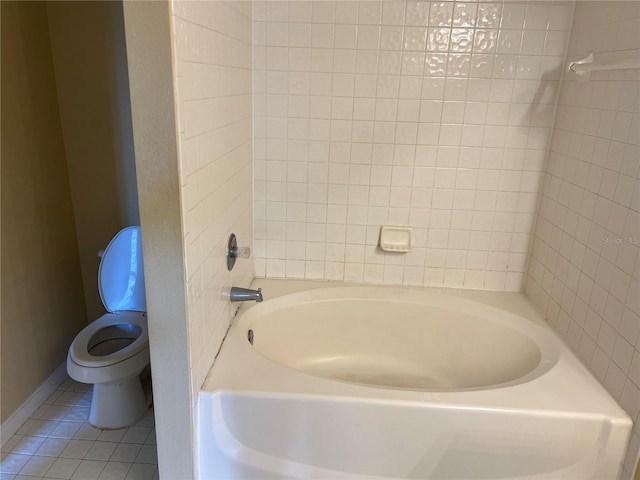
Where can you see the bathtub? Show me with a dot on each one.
(333, 382)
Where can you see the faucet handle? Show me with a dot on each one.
(233, 251)
(241, 252)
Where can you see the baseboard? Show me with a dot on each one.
(11, 425)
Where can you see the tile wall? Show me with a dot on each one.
(430, 114)
(212, 64)
(585, 265)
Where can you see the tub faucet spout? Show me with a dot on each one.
(245, 294)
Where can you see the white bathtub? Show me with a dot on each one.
(376, 382)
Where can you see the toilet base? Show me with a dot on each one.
(117, 405)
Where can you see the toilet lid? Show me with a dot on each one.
(121, 276)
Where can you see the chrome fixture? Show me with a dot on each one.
(245, 294)
(233, 252)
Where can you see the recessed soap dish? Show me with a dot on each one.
(395, 238)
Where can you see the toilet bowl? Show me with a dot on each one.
(112, 351)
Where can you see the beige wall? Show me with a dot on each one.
(89, 58)
(42, 295)
(148, 31)
(195, 188)
(584, 270)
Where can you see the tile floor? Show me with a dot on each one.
(57, 442)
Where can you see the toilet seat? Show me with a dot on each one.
(79, 350)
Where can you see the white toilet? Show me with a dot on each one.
(112, 351)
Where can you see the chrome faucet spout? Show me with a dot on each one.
(245, 294)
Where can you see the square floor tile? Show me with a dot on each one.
(27, 445)
(53, 397)
(126, 452)
(41, 409)
(26, 426)
(12, 442)
(111, 435)
(66, 430)
(87, 432)
(89, 470)
(85, 400)
(37, 466)
(55, 412)
(151, 439)
(78, 414)
(115, 471)
(79, 387)
(101, 450)
(148, 420)
(136, 434)
(43, 428)
(13, 463)
(77, 449)
(52, 447)
(141, 471)
(65, 384)
(63, 468)
(68, 398)
(148, 454)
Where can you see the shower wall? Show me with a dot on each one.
(435, 115)
(212, 68)
(585, 264)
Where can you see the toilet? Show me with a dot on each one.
(112, 351)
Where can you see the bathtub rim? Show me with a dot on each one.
(567, 387)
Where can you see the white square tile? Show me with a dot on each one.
(77, 414)
(88, 470)
(52, 447)
(67, 398)
(55, 412)
(13, 463)
(115, 471)
(42, 428)
(125, 452)
(87, 432)
(111, 435)
(37, 466)
(27, 445)
(141, 471)
(65, 429)
(76, 449)
(101, 450)
(63, 468)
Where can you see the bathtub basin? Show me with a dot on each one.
(374, 382)
(387, 338)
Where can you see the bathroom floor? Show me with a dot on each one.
(58, 442)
